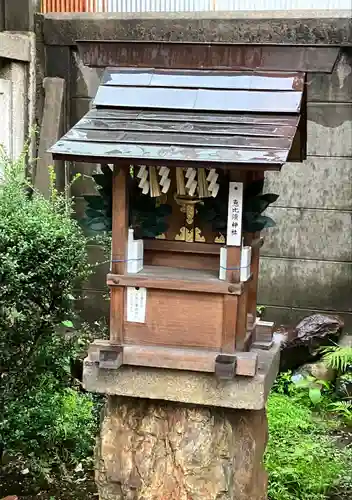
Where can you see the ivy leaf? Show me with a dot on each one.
(255, 205)
(260, 203)
(253, 222)
(269, 197)
(68, 323)
(267, 221)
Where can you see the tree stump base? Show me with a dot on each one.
(159, 450)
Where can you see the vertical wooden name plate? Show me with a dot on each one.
(234, 215)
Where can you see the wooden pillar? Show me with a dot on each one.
(253, 285)
(118, 249)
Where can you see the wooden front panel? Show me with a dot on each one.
(181, 319)
(181, 260)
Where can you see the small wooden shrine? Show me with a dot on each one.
(183, 153)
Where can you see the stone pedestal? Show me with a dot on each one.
(168, 451)
(170, 435)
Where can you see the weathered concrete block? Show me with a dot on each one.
(329, 129)
(51, 131)
(58, 65)
(333, 87)
(84, 80)
(58, 62)
(19, 15)
(309, 234)
(315, 183)
(306, 284)
(16, 46)
(158, 450)
(298, 27)
(187, 387)
(18, 74)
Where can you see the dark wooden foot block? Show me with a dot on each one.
(225, 366)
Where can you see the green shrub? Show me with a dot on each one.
(44, 420)
(301, 458)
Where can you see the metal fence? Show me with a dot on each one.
(188, 5)
(74, 6)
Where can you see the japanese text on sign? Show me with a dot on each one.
(136, 304)
(234, 217)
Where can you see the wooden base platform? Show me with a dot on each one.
(109, 355)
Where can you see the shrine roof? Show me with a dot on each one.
(156, 116)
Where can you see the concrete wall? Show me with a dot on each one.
(307, 262)
(17, 68)
(17, 15)
(307, 258)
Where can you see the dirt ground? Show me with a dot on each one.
(79, 488)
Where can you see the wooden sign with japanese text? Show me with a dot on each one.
(234, 217)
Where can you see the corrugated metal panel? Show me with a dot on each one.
(281, 4)
(218, 5)
(159, 5)
(188, 5)
(171, 125)
(74, 6)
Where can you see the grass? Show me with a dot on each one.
(303, 459)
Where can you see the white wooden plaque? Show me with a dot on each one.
(136, 304)
(234, 216)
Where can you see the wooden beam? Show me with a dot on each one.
(182, 247)
(161, 283)
(229, 324)
(172, 358)
(199, 360)
(241, 324)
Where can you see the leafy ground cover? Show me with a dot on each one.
(307, 459)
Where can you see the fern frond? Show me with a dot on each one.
(338, 358)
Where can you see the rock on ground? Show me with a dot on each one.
(302, 344)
